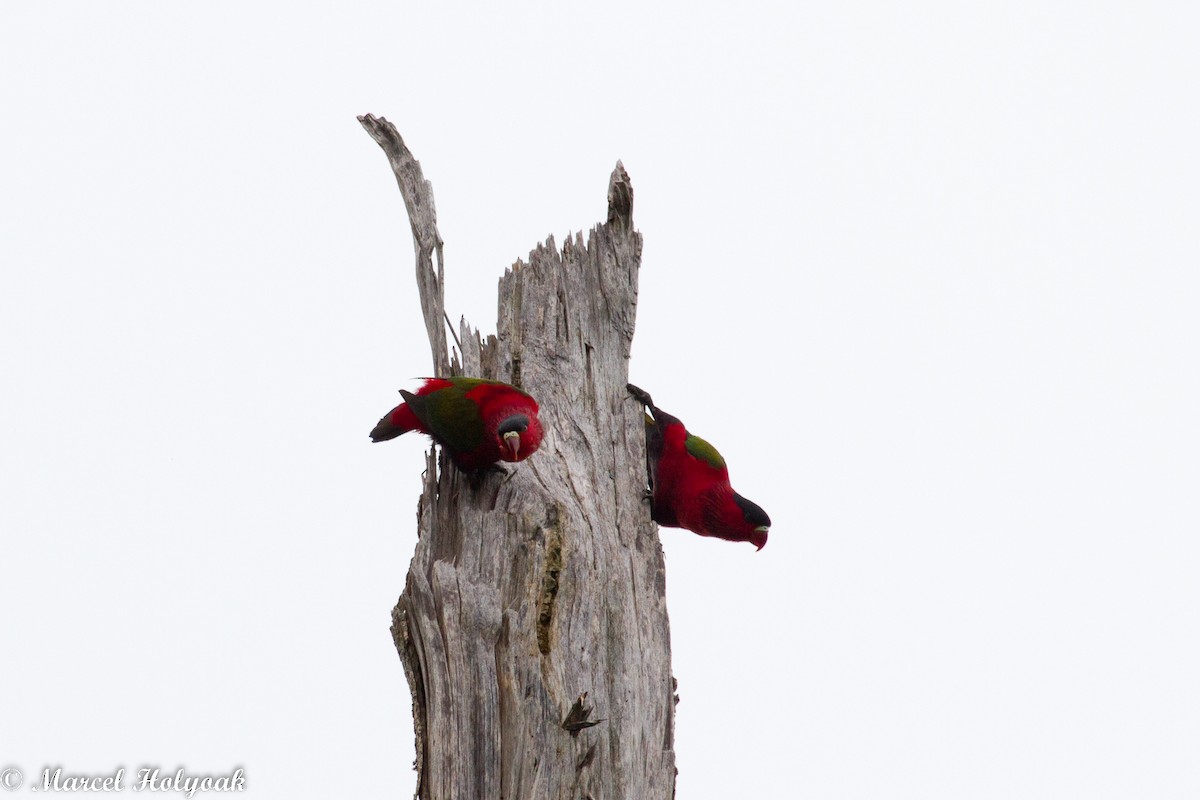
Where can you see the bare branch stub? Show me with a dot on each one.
(422, 216)
(620, 197)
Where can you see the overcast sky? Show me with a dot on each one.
(928, 275)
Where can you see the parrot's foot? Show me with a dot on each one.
(641, 395)
(477, 477)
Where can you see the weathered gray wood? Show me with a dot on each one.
(531, 588)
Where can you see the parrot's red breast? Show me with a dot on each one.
(689, 483)
(477, 422)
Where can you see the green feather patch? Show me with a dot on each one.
(704, 451)
(467, 384)
(450, 416)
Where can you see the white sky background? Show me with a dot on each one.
(927, 276)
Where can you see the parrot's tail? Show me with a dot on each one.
(399, 420)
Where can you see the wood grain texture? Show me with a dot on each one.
(533, 625)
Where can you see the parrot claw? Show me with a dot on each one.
(641, 395)
(477, 477)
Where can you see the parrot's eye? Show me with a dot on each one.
(514, 424)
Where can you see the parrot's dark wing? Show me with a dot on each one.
(449, 416)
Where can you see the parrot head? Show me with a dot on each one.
(754, 523)
(517, 436)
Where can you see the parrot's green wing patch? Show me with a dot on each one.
(704, 451)
(467, 384)
(449, 416)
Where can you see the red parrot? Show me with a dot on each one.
(478, 422)
(689, 483)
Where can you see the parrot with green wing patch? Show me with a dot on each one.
(689, 483)
(477, 422)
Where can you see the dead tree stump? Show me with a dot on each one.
(533, 623)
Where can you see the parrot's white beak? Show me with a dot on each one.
(512, 441)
